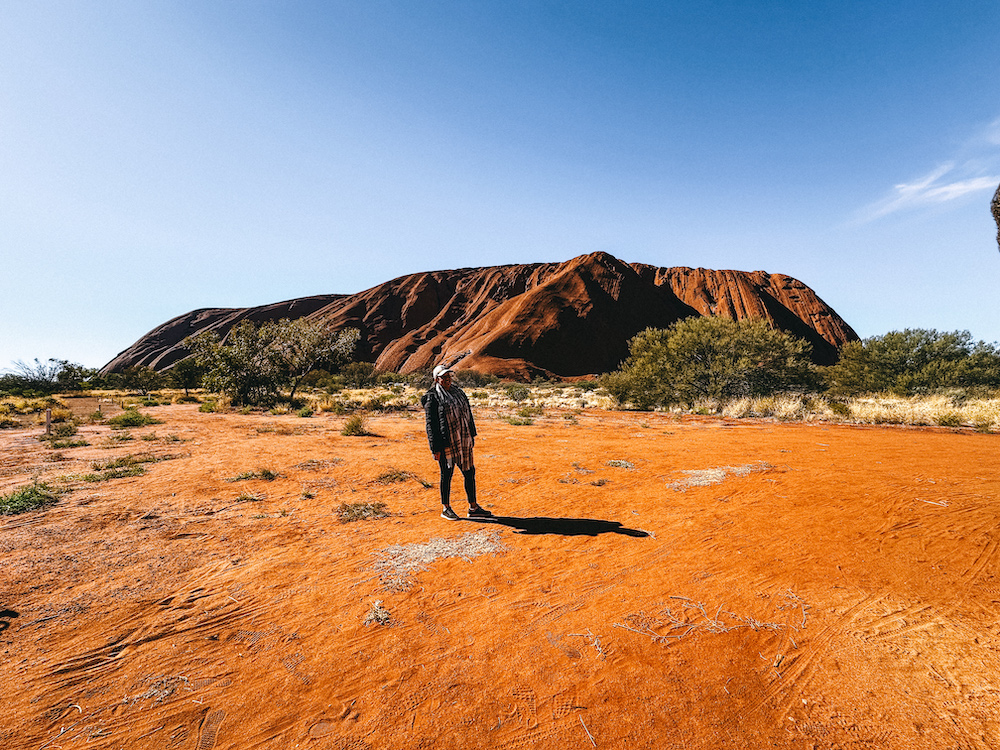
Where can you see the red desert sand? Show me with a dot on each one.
(650, 582)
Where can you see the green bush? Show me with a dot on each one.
(31, 497)
(517, 392)
(60, 444)
(64, 429)
(358, 374)
(520, 421)
(131, 418)
(914, 361)
(355, 426)
(709, 358)
(475, 379)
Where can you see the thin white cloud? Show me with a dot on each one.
(928, 190)
(947, 182)
(960, 188)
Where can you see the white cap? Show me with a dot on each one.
(441, 370)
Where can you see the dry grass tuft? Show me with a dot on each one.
(349, 512)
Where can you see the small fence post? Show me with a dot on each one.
(48, 421)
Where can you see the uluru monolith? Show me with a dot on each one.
(567, 320)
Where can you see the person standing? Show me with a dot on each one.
(451, 432)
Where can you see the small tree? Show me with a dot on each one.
(186, 374)
(255, 362)
(709, 357)
(244, 366)
(303, 345)
(141, 379)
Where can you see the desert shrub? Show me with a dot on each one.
(377, 615)
(208, 406)
(709, 359)
(520, 421)
(475, 379)
(118, 472)
(375, 403)
(31, 497)
(60, 444)
(948, 419)
(304, 412)
(131, 418)
(914, 361)
(358, 374)
(61, 414)
(64, 429)
(323, 380)
(840, 409)
(529, 410)
(517, 392)
(245, 367)
(355, 426)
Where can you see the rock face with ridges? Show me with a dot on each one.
(520, 321)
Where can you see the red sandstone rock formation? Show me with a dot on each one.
(552, 319)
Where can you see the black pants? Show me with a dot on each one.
(470, 482)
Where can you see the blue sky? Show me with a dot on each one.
(158, 157)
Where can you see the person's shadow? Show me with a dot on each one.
(561, 526)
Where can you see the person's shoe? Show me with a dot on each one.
(449, 514)
(479, 512)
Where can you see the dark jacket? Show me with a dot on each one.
(437, 425)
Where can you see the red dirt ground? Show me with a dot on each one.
(826, 587)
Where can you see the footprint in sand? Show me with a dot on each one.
(210, 729)
(323, 727)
